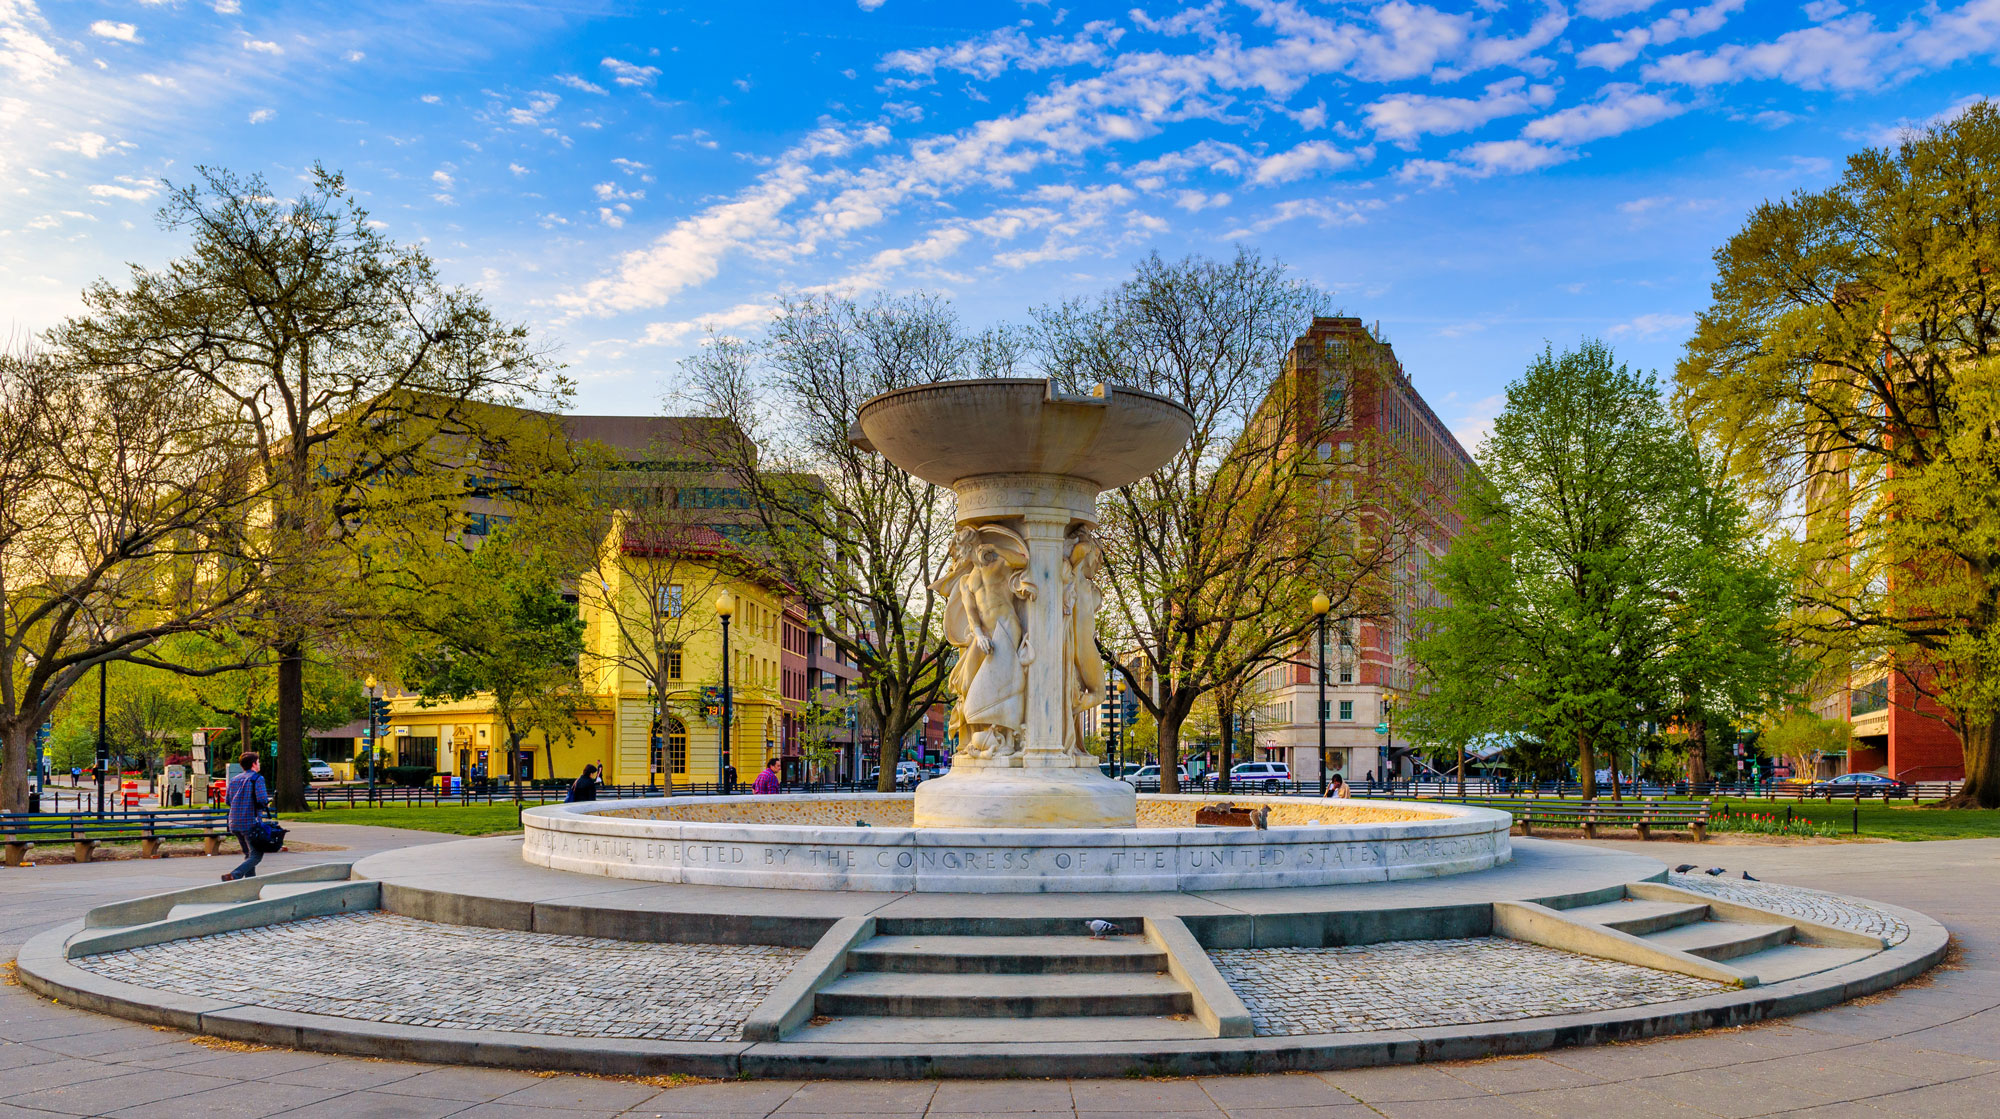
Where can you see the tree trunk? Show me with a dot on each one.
(14, 739)
(1170, 720)
(1697, 769)
(1617, 789)
(242, 739)
(1982, 767)
(287, 771)
(1586, 766)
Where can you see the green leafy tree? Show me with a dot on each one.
(354, 380)
(1844, 365)
(1804, 738)
(505, 632)
(1584, 583)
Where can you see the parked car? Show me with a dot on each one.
(1862, 784)
(317, 770)
(1146, 778)
(1250, 775)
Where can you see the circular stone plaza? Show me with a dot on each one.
(1023, 917)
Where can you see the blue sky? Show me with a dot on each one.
(1480, 178)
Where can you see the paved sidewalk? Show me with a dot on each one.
(1930, 1050)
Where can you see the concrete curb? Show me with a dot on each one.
(45, 968)
(154, 907)
(1810, 932)
(790, 1003)
(1216, 1004)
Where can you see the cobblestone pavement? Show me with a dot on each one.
(1409, 984)
(381, 967)
(1930, 1050)
(1795, 901)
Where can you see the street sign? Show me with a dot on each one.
(1381, 728)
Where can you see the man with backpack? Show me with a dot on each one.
(247, 797)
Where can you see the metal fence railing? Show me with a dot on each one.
(544, 792)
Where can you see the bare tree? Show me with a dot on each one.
(122, 497)
(861, 540)
(1213, 559)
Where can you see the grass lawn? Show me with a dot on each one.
(456, 819)
(1895, 820)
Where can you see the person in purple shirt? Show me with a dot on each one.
(247, 797)
(767, 780)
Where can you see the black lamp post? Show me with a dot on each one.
(1322, 604)
(725, 608)
(103, 747)
(375, 729)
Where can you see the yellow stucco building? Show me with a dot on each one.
(650, 615)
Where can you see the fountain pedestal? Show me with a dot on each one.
(1027, 464)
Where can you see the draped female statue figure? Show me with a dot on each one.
(1083, 669)
(983, 618)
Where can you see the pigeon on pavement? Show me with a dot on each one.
(1100, 929)
(1748, 877)
(1714, 870)
(1683, 868)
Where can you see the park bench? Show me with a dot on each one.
(1641, 815)
(21, 831)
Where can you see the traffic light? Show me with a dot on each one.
(378, 712)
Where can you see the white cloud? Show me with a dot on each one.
(577, 83)
(1519, 51)
(1480, 161)
(1403, 118)
(994, 53)
(1309, 158)
(743, 314)
(128, 188)
(631, 75)
(227, 7)
(1620, 109)
(442, 179)
(869, 5)
(261, 115)
(262, 46)
(1847, 53)
(517, 169)
(431, 99)
(1475, 422)
(23, 51)
(533, 113)
(123, 32)
(612, 192)
(1323, 212)
(89, 145)
(353, 56)
(1612, 9)
(1651, 326)
(1194, 201)
(1681, 23)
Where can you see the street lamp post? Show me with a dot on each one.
(375, 729)
(103, 747)
(725, 608)
(1322, 604)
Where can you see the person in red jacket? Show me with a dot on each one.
(767, 780)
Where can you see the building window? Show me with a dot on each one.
(670, 750)
(673, 662)
(417, 751)
(1347, 674)
(475, 524)
(1346, 710)
(1870, 698)
(670, 600)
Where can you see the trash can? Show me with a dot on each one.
(34, 800)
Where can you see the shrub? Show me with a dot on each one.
(412, 776)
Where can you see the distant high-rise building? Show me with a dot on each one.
(1415, 467)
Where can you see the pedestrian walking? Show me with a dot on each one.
(247, 797)
(1335, 787)
(585, 787)
(767, 780)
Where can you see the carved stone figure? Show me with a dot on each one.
(983, 618)
(1083, 669)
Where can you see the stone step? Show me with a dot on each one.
(1722, 940)
(887, 994)
(866, 1030)
(1001, 926)
(1639, 917)
(197, 908)
(1013, 955)
(1790, 961)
